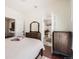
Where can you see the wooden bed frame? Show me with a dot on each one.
(36, 35)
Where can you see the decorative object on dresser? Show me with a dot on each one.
(62, 43)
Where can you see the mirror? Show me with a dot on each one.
(9, 27)
(12, 27)
(34, 26)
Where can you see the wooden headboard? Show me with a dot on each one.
(34, 34)
(62, 43)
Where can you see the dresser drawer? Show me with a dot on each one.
(35, 35)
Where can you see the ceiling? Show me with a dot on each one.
(36, 6)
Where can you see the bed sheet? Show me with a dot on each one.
(26, 48)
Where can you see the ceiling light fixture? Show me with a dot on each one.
(23, 0)
(35, 6)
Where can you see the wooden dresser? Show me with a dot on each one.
(36, 35)
(62, 43)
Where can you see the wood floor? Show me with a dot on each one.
(47, 53)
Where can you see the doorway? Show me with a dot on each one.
(48, 24)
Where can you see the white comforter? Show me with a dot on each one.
(26, 48)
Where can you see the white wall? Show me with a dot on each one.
(62, 15)
(60, 9)
(60, 12)
(9, 12)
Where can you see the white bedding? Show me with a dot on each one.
(26, 48)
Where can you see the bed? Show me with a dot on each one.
(26, 48)
(29, 47)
